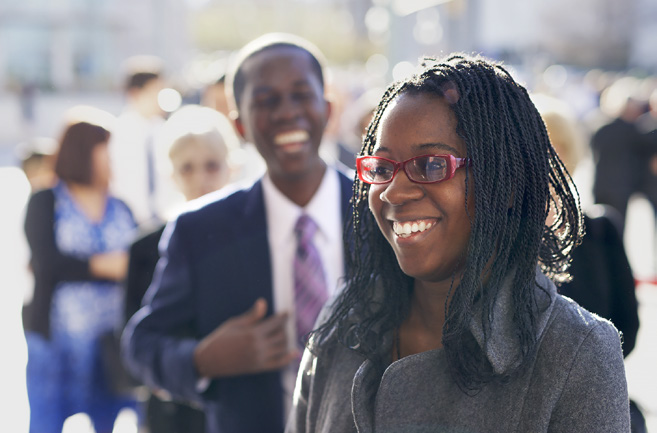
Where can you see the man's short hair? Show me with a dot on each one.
(140, 70)
(235, 81)
(139, 80)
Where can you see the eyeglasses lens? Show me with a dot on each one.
(377, 170)
(427, 169)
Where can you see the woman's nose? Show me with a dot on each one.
(401, 189)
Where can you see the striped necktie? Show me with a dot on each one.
(310, 292)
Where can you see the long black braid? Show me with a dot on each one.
(517, 177)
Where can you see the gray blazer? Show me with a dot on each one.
(573, 382)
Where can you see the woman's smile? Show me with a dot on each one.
(406, 229)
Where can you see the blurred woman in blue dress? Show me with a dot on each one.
(78, 236)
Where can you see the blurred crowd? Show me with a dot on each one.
(103, 190)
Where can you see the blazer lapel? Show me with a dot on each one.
(346, 193)
(255, 249)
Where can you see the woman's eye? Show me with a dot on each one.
(381, 171)
(435, 165)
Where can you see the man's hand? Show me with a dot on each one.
(653, 165)
(245, 344)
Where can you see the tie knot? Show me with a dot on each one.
(305, 228)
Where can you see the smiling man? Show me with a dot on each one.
(242, 276)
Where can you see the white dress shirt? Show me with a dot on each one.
(282, 214)
(132, 135)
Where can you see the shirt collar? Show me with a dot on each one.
(283, 214)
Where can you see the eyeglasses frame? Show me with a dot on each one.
(454, 164)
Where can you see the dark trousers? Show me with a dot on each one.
(637, 421)
(173, 417)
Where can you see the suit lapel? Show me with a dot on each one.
(255, 249)
(346, 192)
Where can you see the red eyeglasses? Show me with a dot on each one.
(377, 170)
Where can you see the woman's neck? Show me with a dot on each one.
(429, 301)
(423, 328)
(90, 199)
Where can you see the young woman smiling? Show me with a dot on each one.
(450, 320)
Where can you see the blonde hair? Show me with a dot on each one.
(194, 124)
(617, 95)
(561, 124)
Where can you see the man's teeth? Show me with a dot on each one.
(291, 137)
(407, 228)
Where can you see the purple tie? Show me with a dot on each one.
(309, 282)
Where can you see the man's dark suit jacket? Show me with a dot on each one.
(617, 152)
(602, 277)
(162, 415)
(215, 264)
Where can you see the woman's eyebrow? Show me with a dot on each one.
(438, 146)
(432, 147)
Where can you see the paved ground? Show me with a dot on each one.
(641, 364)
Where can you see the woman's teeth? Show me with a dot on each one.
(405, 229)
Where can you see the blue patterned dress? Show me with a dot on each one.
(64, 374)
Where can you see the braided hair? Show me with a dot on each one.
(517, 177)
